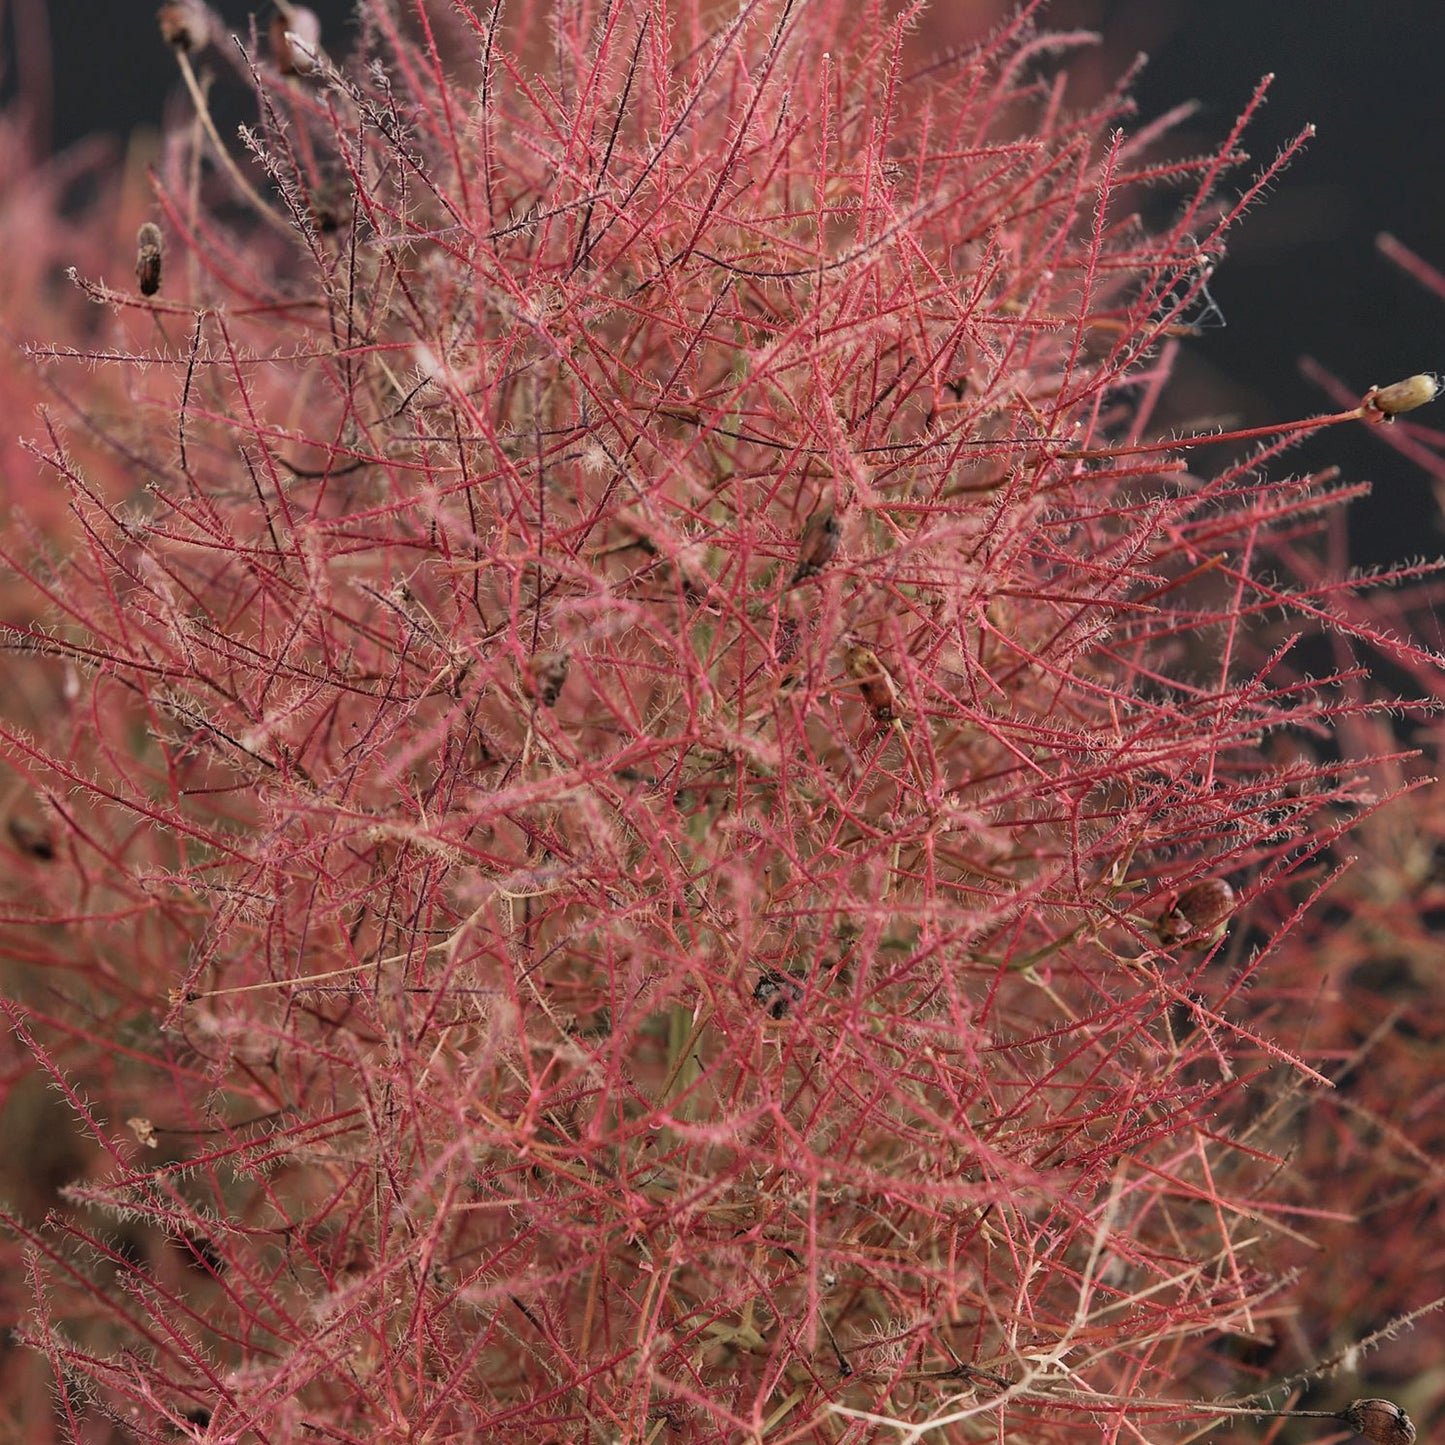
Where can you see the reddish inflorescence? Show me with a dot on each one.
(615, 725)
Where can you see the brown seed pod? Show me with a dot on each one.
(329, 207)
(788, 653)
(547, 672)
(481, 750)
(32, 835)
(1382, 1422)
(1198, 916)
(873, 682)
(775, 877)
(776, 993)
(788, 643)
(185, 25)
(818, 544)
(148, 245)
(295, 39)
(144, 1131)
(1385, 403)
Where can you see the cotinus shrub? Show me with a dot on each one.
(656, 801)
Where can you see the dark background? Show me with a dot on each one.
(1303, 276)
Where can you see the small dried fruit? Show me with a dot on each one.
(873, 682)
(144, 1131)
(548, 672)
(184, 25)
(818, 544)
(1199, 915)
(329, 207)
(777, 993)
(33, 836)
(295, 39)
(1385, 403)
(148, 245)
(1382, 1422)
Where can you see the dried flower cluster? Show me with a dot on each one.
(636, 769)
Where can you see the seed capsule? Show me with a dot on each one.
(873, 682)
(184, 25)
(295, 39)
(148, 245)
(144, 1131)
(1382, 1422)
(328, 207)
(1199, 916)
(777, 993)
(547, 673)
(818, 544)
(1385, 403)
(32, 836)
